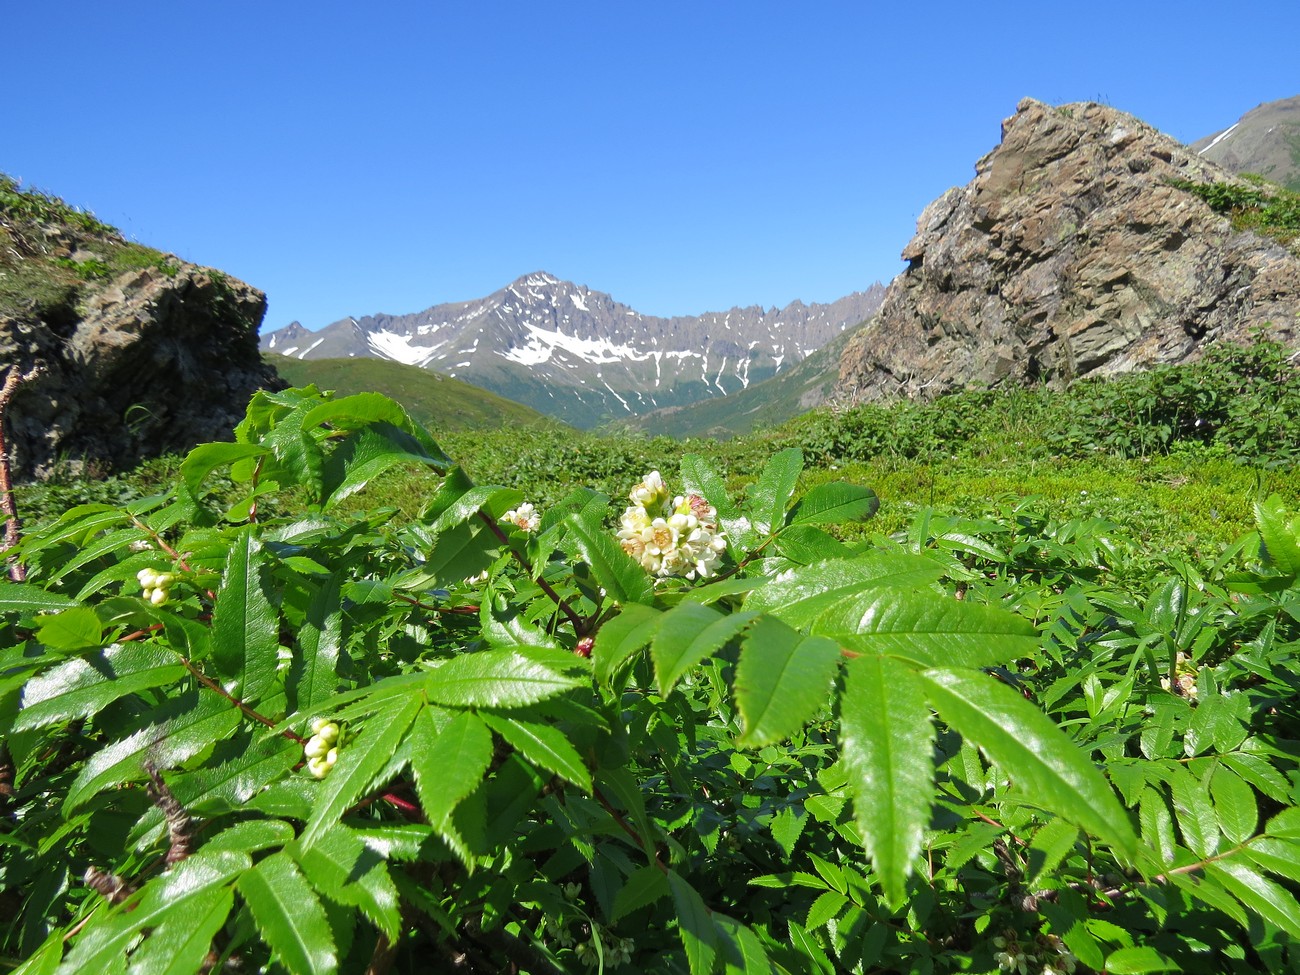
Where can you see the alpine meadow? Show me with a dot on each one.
(967, 641)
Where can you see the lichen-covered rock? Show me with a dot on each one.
(133, 361)
(1070, 255)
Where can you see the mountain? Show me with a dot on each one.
(442, 404)
(1266, 140)
(1079, 249)
(579, 355)
(782, 397)
(135, 352)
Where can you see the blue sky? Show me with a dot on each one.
(684, 157)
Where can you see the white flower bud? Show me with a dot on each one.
(148, 578)
(316, 747)
(158, 596)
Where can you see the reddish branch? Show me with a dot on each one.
(13, 527)
(580, 626)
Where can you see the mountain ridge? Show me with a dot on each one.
(580, 355)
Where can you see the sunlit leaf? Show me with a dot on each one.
(782, 680)
(289, 916)
(887, 741)
(1046, 767)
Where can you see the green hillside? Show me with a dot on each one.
(767, 403)
(438, 402)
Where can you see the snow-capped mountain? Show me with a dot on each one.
(581, 356)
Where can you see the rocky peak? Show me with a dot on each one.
(1069, 254)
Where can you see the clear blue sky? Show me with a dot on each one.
(684, 157)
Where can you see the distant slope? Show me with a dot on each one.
(1266, 140)
(798, 389)
(436, 401)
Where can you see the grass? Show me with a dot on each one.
(442, 404)
(53, 255)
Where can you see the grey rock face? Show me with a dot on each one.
(578, 354)
(1069, 255)
(150, 363)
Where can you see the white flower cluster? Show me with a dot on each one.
(525, 517)
(677, 537)
(322, 749)
(156, 585)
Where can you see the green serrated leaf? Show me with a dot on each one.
(740, 949)
(23, 597)
(619, 638)
(500, 678)
(643, 887)
(83, 686)
(102, 943)
(361, 761)
(1137, 960)
(342, 868)
(929, 630)
(189, 724)
(812, 590)
(887, 742)
(687, 634)
(180, 945)
(313, 672)
(1259, 895)
(72, 629)
(787, 826)
(1051, 845)
(1195, 813)
(1256, 770)
(1048, 769)
(226, 787)
(621, 576)
(783, 679)
(206, 458)
(825, 909)
(448, 762)
(289, 916)
(806, 545)
(505, 625)
(1281, 548)
(834, 503)
(366, 453)
(694, 925)
(1234, 805)
(543, 745)
(245, 631)
(252, 836)
(770, 496)
(1279, 856)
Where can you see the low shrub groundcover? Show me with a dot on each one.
(268, 736)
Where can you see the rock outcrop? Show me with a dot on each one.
(1070, 254)
(138, 352)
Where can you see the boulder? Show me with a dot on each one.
(1070, 254)
(133, 352)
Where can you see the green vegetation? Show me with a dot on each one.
(765, 404)
(443, 404)
(52, 254)
(1263, 207)
(315, 702)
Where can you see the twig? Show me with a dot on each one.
(13, 525)
(179, 823)
(580, 626)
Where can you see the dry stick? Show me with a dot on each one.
(13, 527)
